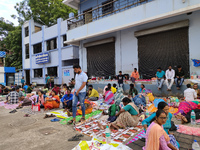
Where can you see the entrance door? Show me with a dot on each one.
(27, 77)
(163, 49)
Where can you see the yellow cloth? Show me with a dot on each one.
(151, 97)
(114, 90)
(152, 108)
(93, 93)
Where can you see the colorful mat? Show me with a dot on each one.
(9, 106)
(137, 137)
(65, 121)
(91, 128)
(59, 113)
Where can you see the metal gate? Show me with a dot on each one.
(101, 60)
(163, 49)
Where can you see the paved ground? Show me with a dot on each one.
(33, 133)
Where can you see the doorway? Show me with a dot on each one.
(27, 77)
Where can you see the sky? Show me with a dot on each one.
(7, 9)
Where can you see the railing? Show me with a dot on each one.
(105, 9)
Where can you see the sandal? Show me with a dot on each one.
(55, 120)
(13, 111)
(74, 138)
(26, 115)
(82, 119)
(71, 122)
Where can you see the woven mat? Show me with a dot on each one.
(65, 121)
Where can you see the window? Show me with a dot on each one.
(70, 62)
(37, 73)
(52, 71)
(37, 48)
(26, 32)
(51, 44)
(27, 51)
(106, 9)
(64, 39)
(37, 29)
(88, 15)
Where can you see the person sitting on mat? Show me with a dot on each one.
(67, 100)
(53, 102)
(93, 94)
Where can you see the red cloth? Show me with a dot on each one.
(56, 89)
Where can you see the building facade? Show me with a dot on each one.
(45, 53)
(120, 35)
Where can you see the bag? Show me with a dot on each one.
(151, 97)
(173, 127)
(36, 107)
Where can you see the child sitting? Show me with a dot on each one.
(113, 110)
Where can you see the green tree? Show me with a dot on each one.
(42, 11)
(13, 42)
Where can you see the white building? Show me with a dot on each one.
(115, 35)
(45, 53)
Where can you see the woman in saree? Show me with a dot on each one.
(127, 116)
(53, 102)
(109, 97)
(185, 107)
(156, 137)
(167, 125)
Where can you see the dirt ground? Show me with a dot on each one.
(34, 133)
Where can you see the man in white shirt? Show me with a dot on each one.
(170, 74)
(80, 93)
(190, 93)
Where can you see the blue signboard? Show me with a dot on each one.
(66, 73)
(2, 54)
(42, 58)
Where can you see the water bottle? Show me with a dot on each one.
(195, 145)
(108, 136)
(193, 118)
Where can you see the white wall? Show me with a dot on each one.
(2, 74)
(126, 44)
(27, 63)
(53, 59)
(130, 17)
(194, 41)
(51, 32)
(64, 27)
(36, 37)
(67, 53)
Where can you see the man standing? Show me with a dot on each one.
(179, 77)
(14, 97)
(170, 73)
(190, 94)
(80, 93)
(47, 81)
(160, 77)
(134, 75)
(22, 82)
(120, 79)
(52, 81)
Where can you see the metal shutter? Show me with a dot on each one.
(101, 60)
(163, 49)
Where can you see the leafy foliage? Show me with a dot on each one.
(45, 12)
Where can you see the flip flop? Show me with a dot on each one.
(71, 122)
(55, 120)
(26, 115)
(13, 111)
(82, 119)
